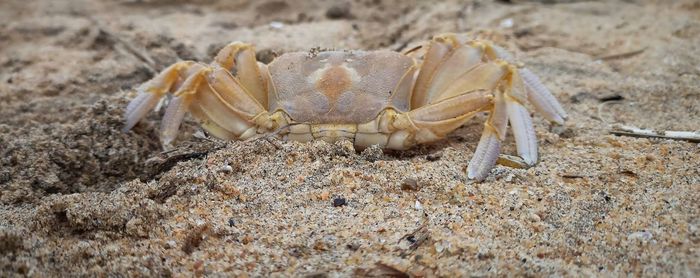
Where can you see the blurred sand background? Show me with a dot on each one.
(79, 197)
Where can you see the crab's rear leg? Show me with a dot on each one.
(178, 106)
(489, 146)
(229, 105)
(536, 93)
(508, 107)
(463, 66)
(217, 101)
(434, 121)
(524, 86)
(489, 88)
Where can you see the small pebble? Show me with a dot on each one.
(276, 25)
(434, 156)
(439, 246)
(507, 23)
(353, 246)
(324, 195)
(409, 184)
(612, 97)
(226, 169)
(339, 201)
(509, 177)
(644, 235)
(338, 11)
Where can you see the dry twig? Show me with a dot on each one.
(623, 55)
(623, 130)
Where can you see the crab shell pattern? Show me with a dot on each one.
(382, 97)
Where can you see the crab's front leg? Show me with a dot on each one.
(150, 93)
(221, 101)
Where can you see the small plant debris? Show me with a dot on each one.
(339, 201)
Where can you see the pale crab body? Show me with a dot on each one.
(380, 98)
(336, 95)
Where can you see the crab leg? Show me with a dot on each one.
(434, 121)
(138, 108)
(489, 146)
(178, 106)
(239, 58)
(150, 93)
(542, 98)
(211, 94)
(444, 62)
(454, 69)
(463, 71)
(507, 108)
(483, 77)
(524, 86)
(227, 105)
(523, 131)
(537, 93)
(519, 118)
(437, 50)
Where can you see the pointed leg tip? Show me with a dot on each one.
(167, 138)
(479, 169)
(167, 144)
(562, 115)
(474, 175)
(130, 123)
(558, 119)
(138, 108)
(485, 156)
(530, 161)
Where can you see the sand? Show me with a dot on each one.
(79, 197)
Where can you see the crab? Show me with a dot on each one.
(381, 97)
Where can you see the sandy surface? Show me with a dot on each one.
(78, 196)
